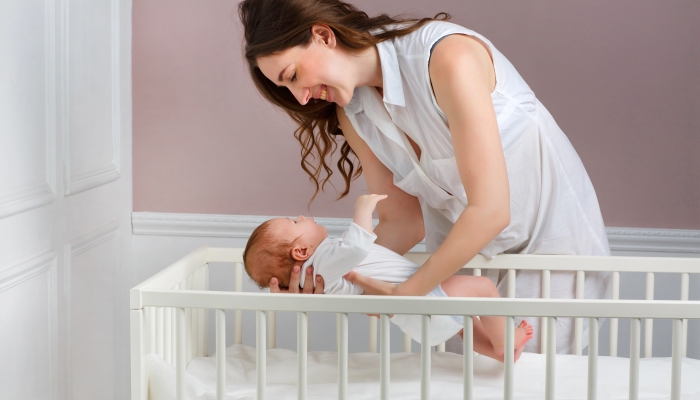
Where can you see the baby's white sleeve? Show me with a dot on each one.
(344, 255)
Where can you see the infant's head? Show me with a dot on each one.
(279, 244)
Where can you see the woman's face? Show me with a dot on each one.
(320, 70)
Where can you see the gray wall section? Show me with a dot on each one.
(621, 78)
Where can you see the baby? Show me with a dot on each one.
(280, 244)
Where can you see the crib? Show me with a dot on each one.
(169, 316)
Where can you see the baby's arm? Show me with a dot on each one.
(364, 207)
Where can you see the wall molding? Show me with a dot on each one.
(23, 272)
(37, 195)
(71, 249)
(101, 174)
(644, 240)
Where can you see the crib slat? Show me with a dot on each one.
(238, 314)
(551, 358)
(180, 286)
(167, 335)
(511, 283)
(635, 336)
(614, 321)
(151, 318)
(181, 352)
(337, 332)
(425, 357)
(159, 331)
(648, 322)
(384, 357)
(220, 354)
(685, 286)
(508, 358)
(271, 329)
(676, 359)
(196, 285)
(188, 323)
(342, 356)
(578, 322)
(192, 337)
(476, 272)
(260, 353)
(546, 290)
(592, 358)
(468, 357)
(372, 334)
(440, 348)
(205, 315)
(302, 349)
(406, 343)
(200, 316)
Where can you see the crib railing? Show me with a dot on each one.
(168, 318)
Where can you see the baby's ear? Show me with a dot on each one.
(300, 253)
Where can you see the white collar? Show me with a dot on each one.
(391, 80)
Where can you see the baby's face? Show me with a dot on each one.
(301, 231)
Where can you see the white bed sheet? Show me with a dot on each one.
(446, 376)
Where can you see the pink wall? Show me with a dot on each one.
(621, 78)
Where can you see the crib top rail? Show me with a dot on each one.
(416, 305)
(169, 277)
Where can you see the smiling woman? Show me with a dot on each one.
(442, 123)
(305, 62)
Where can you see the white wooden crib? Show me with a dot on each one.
(169, 318)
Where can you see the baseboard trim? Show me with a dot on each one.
(669, 242)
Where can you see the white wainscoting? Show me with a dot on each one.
(93, 47)
(90, 267)
(28, 182)
(162, 238)
(28, 289)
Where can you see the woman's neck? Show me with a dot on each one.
(369, 68)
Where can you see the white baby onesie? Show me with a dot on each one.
(355, 251)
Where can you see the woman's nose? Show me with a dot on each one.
(302, 95)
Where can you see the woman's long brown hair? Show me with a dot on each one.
(272, 26)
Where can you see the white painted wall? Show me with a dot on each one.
(65, 198)
(162, 238)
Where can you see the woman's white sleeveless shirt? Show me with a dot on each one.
(553, 207)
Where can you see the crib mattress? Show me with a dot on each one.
(446, 376)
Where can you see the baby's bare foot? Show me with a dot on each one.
(523, 333)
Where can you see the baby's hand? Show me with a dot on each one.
(364, 207)
(368, 202)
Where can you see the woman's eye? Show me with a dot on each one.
(294, 77)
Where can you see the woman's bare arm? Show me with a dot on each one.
(400, 217)
(463, 78)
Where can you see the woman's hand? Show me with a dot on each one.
(294, 280)
(372, 286)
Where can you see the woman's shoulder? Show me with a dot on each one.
(423, 38)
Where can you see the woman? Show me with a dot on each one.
(436, 115)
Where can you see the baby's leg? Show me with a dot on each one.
(492, 327)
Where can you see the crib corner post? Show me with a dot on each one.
(139, 380)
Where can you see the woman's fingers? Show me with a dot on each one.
(275, 286)
(294, 280)
(318, 289)
(308, 281)
(370, 285)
